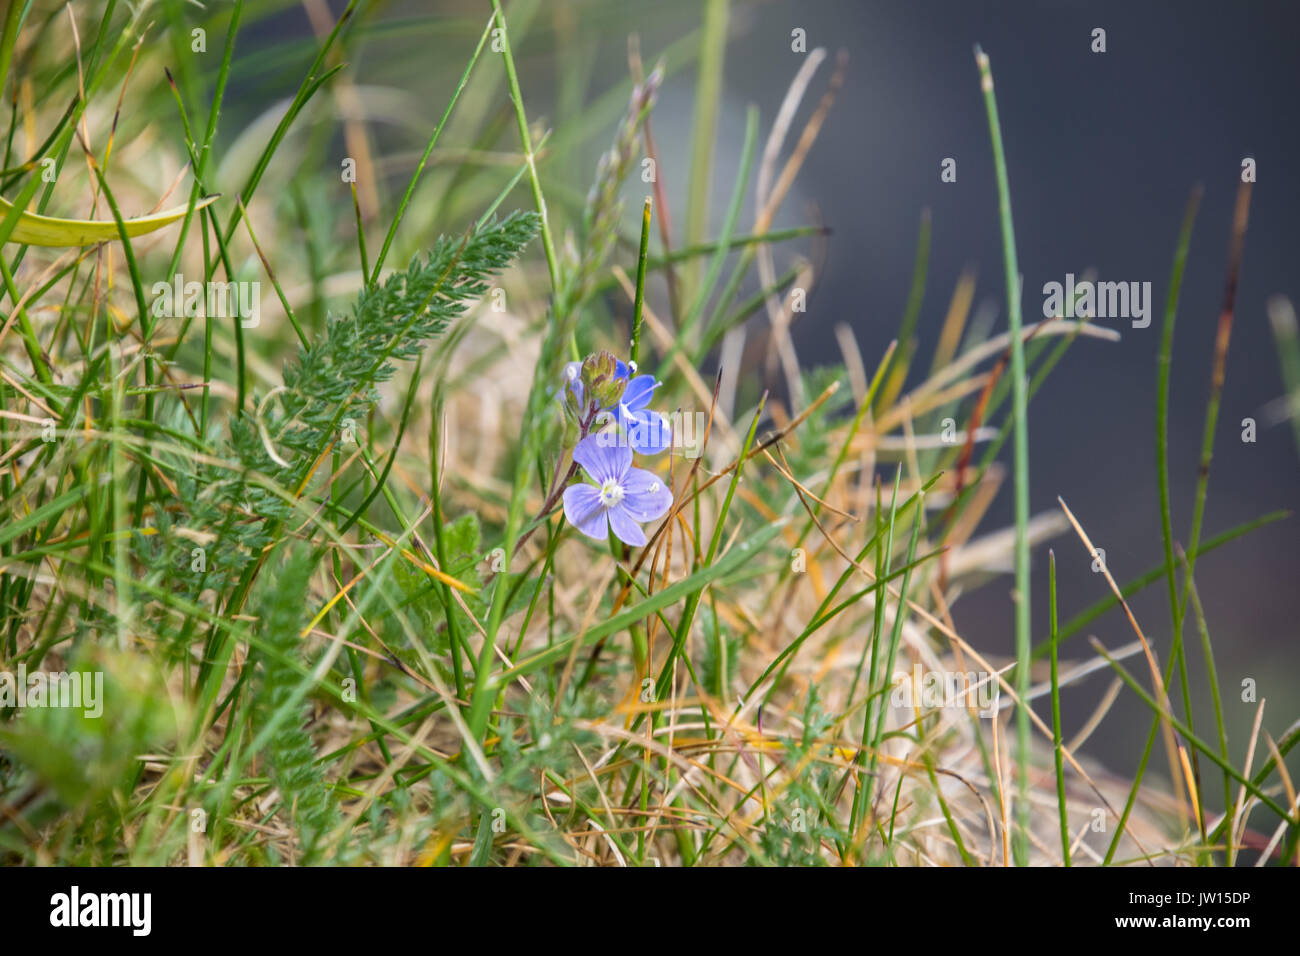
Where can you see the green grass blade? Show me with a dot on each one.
(1021, 464)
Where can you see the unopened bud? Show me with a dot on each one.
(600, 379)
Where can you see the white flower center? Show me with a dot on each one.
(611, 493)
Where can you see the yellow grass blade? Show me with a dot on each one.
(34, 230)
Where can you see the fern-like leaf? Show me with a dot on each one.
(289, 754)
(328, 382)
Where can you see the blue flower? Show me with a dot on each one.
(622, 498)
(648, 432)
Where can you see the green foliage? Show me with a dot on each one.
(424, 596)
(719, 652)
(816, 444)
(334, 378)
(797, 824)
(87, 763)
(278, 709)
(328, 383)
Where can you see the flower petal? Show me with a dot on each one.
(602, 460)
(573, 377)
(625, 529)
(585, 512)
(638, 392)
(648, 432)
(646, 496)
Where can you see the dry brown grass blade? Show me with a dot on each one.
(769, 201)
(1239, 815)
(954, 323)
(1162, 697)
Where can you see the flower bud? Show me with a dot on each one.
(601, 382)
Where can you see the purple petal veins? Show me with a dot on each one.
(602, 461)
(585, 512)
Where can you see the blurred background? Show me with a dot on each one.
(1103, 150)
